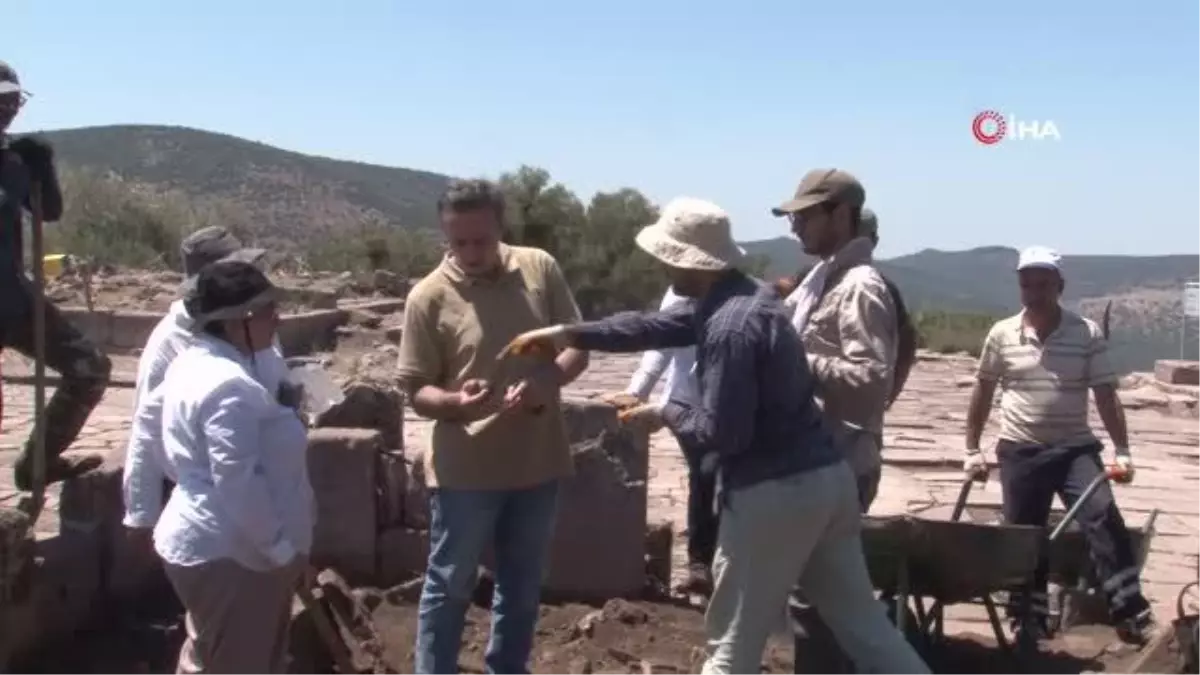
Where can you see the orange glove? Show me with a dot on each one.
(540, 342)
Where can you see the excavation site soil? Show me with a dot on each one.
(649, 636)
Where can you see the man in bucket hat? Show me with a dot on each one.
(174, 333)
(789, 505)
(26, 164)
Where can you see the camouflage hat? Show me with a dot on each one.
(823, 185)
(868, 224)
(211, 244)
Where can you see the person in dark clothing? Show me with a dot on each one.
(27, 163)
(788, 500)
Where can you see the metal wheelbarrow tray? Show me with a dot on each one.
(948, 561)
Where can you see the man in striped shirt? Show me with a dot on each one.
(1045, 360)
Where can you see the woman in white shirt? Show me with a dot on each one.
(236, 531)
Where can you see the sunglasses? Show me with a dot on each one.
(9, 104)
(799, 217)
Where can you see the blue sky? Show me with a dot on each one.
(726, 101)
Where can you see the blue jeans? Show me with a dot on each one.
(519, 524)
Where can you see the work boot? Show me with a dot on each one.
(1138, 630)
(58, 469)
(698, 581)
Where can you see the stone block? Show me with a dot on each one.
(393, 479)
(589, 419)
(598, 550)
(403, 554)
(416, 493)
(369, 405)
(1177, 372)
(69, 584)
(342, 466)
(131, 329)
(308, 332)
(92, 505)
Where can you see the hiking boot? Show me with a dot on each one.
(698, 581)
(58, 469)
(1138, 630)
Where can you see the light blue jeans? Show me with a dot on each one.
(519, 524)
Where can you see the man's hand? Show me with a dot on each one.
(621, 400)
(473, 400)
(1125, 464)
(543, 342)
(648, 416)
(527, 394)
(975, 465)
(36, 153)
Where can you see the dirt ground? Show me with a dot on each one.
(620, 637)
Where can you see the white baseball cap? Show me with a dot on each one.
(1039, 257)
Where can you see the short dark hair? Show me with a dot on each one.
(472, 194)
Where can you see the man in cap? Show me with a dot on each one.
(27, 163)
(1045, 359)
(906, 352)
(847, 318)
(174, 333)
(789, 504)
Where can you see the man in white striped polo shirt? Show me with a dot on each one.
(1045, 360)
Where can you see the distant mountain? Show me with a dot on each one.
(300, 198)
(289, 195)
(1146, 291)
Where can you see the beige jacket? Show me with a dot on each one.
(851, 340)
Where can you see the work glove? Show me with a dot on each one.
(1125, 464)
(544, 342)
(975, 465)
(36, 154)
(647, 416)
(620, 400)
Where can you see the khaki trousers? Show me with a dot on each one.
(805, 526)
(237, 618)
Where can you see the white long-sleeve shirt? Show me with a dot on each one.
(239, 459)
(679, 365)
(145, 466)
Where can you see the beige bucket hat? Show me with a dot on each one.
(692, 234)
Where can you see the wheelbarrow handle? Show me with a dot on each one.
(960, 504)
(1113, 473)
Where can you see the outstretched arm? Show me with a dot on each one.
(636, 331)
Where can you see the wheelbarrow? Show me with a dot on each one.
(956, 562)
(1069, 560)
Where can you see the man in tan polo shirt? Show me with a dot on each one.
(1045, 360)
(499, 447)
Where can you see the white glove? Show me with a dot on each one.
(974, 464)
(1124, 462)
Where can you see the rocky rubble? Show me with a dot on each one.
(113, 288)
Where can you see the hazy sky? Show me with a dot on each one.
(723, 100)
